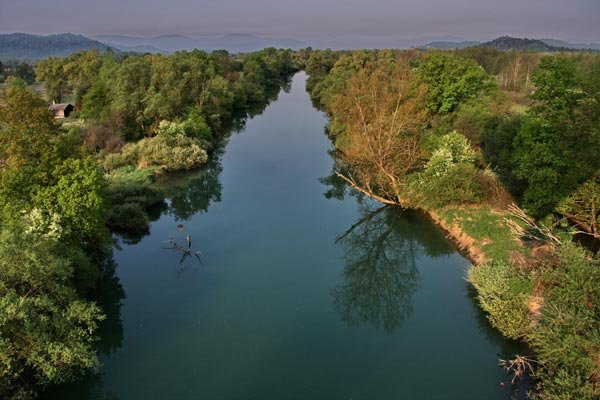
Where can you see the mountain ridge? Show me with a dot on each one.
(29, 47)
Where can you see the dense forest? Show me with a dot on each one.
(64, 184)
(469, 137)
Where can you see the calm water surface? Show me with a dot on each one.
(301, 295)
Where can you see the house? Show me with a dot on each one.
(61, 110)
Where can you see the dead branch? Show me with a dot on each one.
(519, 367)
(368, 192)
(531, 230)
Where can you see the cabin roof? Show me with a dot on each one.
(60, 106)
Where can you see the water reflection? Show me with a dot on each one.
(109, 295)
(380, 274)
(184, 194)
(192, 192)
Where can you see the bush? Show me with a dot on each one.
(46, 330)
(459, 185)
(172, 153)
(450, 176)
(567, 338)
(503, 293)
(195, 126)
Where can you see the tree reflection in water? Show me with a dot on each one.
(380, 273)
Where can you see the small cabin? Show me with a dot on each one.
(61, 110)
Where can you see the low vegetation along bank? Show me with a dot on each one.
(66, 184)
(465, 136)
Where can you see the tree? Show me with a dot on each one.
(46, 332)
(52, 73)
(381, 141)
(451, 80)
(557, 147)
(82, 70)
(28, 130)
(582, 207)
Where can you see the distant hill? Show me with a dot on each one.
(511, 43)
(137, 48)
(450, 45)
(237, 42)
(24, 46)
(568, 45)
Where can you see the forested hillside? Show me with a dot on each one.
(24, 46)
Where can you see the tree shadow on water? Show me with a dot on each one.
(381, 275)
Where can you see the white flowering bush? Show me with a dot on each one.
(450, 175)
(453, 149)
(39, 224)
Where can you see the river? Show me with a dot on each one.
(305, 291)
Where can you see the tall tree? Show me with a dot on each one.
(558, 147)
(381, 141)
(52, 73)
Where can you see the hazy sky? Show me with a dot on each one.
(473, 19)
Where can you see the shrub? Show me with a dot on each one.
(130, 195)
(459, 185)
(503, 293)
(450, 176)
(172, 153)
(195, 126)
(567, 338)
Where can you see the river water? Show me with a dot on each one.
(305, 291)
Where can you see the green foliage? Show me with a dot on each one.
(582, 207)
(130, 195)
(194, 127)
(471, 118)
(28, 132)
(450, 176)
(503, 293)
(51, 72)
(498, 148)
(451, 80)
(202, 89)
(19, 70)
(452, 149)
(77, 197)
(558, 145)
(46, 331)
(457, 186)
(567, 337)
(170, 152)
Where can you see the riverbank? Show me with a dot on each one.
(409, 130)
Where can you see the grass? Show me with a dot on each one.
(488, 230)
